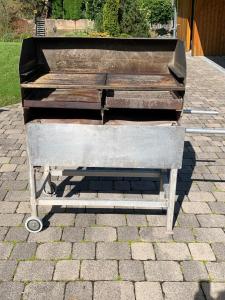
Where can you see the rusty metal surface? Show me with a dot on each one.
(60, 98)
(144, 100)
(77, 73)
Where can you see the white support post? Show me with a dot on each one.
(171, 200)
(33, 198)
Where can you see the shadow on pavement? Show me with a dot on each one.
(219, 60)
(205, 292)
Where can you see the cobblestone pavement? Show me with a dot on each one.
(123, 255)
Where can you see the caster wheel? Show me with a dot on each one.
(50, 189)
(33, 224)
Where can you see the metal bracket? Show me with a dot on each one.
(200, 112)
(205, 131)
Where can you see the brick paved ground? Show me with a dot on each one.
(93, 255)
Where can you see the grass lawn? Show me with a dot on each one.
(9, 75)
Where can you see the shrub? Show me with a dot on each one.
(110, 17)
(98, 14)
(57, 9)
(89, 6)
(159, 11)
(72, 9)
(133, 19)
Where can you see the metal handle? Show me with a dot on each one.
(205, 131)
(200, 112)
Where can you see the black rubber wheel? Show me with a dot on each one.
(34, 224)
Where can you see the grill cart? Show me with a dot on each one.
(106, 107)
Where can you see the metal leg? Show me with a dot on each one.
(33, 201)
(161, 190)
(171, 200)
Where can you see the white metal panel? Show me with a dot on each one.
(118, 146)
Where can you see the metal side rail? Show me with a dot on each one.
(203, 130)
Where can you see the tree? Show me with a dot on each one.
(98, 14)
(72, 9)
(110, 17)
(133, 19)
(90, 9)
(57, 9)
(159, 11)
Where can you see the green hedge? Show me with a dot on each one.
(72, 9)
(57, 9)
(110, 17)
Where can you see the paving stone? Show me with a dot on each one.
(156, 220)
(34, 270)
(128, 233)
(23, 175)
(7, 269)
(220, 196)
(98, 234)
(154, 234)
(18, 160)
(214, 290)
(148, 290)
(196, 208)
(162, 271)
(85, 250)
(183, 235)
(67, 270)
(50, 234)
(201, 251)
(113, 290)
(131, 270)
(209, 235)
(194, 271)
(8, 167)
(12, 185)
(73, 234)
(17, 196)
(18, 234)
(99, 270)
(11, 290)
(85, 220)
(201, 196)
(24, 251)
(114, 250)
(219, 251)
(78, 290)
(217, 207)
(211, 220)
(57, 250)
(182, 290)
(136, 220)
(62, 219)
(113, 220)
(3, 231)
(4, 160)
(8, 207)
(23, 208)
(216, 270)
(2, 194)
(44, 291)
(142, 251)
(5, 250)
(187, 220)
(11, 219)
(172, 251)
